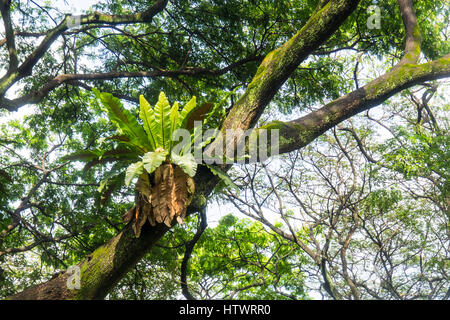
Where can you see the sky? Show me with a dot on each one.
(76, 6)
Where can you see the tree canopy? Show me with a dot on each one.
(355, 205)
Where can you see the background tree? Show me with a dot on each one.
(343, 196)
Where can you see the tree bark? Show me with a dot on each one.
(102, 269)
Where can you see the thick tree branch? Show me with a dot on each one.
(104, 267)
(279, 64)
(37, 95)
(413, 36)
(300, 132)
(95, 18)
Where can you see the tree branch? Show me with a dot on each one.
(37, 95)
(102, 269)
(360, 144)
(187, 254)
(277, 67)
(300, 132)
(413, 35)
(279, 64)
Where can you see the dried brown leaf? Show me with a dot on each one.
(143, 186)
(171, 193)
(163, 202)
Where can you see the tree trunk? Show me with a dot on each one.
(102, 269)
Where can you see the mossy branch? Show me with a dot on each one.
(300, 132)
(406, 73)
(279, 64)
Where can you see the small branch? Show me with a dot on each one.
(360, 144)
(253, 285)
(187, 254)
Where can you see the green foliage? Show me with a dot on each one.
(381, 201)
(186, 162)
(162, 122)
(235, 253)
(151, 143)
(420, 153)
(125, 122)
(147, 116)
(134, 170)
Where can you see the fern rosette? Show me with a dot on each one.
(147, 151)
